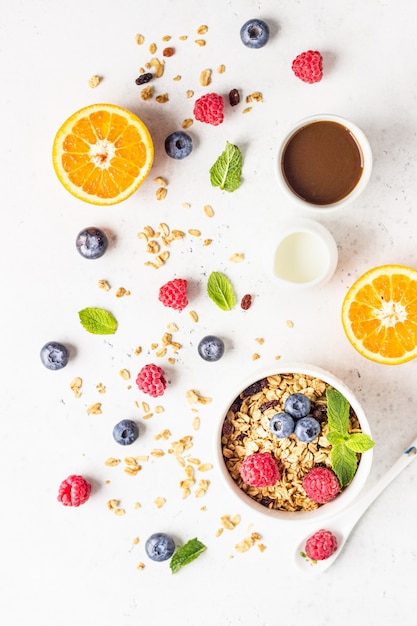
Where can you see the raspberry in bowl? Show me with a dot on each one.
(283, 439)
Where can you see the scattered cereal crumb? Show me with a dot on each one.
(139, 39)
(219, 532)
(237, 257)
(112, 504)
(205, 78)
(159, 180)
(177, 77)
(157, 452)
(183, 37)
(208, 210)
(94, 409)
(137, 505)
(204, 467)
(159, 502)
(121, 291)
(200, 42)
(146, 93)
(158, 66)
(201, 30)
(161, 193)
(75, 386)
(172, 327)
(247, 110)
(290, 324)
(140, 566)
(119, 512)
(194, 316)
(260, 340)
(166, 38)
(162, 99)
(125, 374)
(207, 242)
(152, 48)
(277, 357)
(256, 96)
(255, 356)
(101, 388)
(186, 205)
(159, 409)
(221, 69)
(94, 81)
(195, 232)
(138, 350)
(135, 540)
(189, 93)
(111, 461)
(187, 123)
(196, 423)
(103, 284)
(262, 547)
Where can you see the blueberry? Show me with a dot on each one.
(54, 355)
(178, 145)
(125, 432)
(254, 33)
(159, 547)
(307, 429)
(211, 348)
(91, 243)
(297, 405)
(281, 425)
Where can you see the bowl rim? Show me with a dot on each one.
(358, 189)
(344, 499)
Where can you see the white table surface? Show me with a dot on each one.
(75, 567)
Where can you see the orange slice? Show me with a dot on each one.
(379, 314)
(102, 154)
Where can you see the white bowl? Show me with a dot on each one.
(365, 153)
(324, 511)
(300, 254)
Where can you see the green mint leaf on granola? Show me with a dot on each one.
(220, 290)
(227, 170)
(98, 321)
(344, 463)
(359, 442)
(186, 554)
(334, 438)
(337, 411)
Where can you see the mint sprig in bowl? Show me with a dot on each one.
(344, 444)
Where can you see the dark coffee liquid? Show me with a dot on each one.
(322, 162)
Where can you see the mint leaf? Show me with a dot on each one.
(186, 554)
(359, 442)
(227, 170)
(98, 321)
(220, 290)
(334, 438)
(337, 411)
(344, 463)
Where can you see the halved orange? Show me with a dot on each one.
(102, 154)
(379, 314)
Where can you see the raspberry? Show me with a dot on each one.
(260, 470)
(209, 109)
(321, 545)
(74, 490)
(321, 485)
(151, 380)
(174, 294)
(308, 66)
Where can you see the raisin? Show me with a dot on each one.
(266, 501)
(143, 78)
(234, 97)
(254, 388)
(227, 428)
(168, 52)
(320, 412)
(246, 302)
(268, 405)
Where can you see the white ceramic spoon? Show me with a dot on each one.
(342, 525)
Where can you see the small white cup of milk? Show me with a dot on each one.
(301, 254)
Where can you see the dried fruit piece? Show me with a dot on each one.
(246, 302)
(234, 97)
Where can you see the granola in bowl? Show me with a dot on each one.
(246, 433)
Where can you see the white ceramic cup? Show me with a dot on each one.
(325, 511)
(300, 253)
(365, 155)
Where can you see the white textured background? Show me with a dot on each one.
(78, 566)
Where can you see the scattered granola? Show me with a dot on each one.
(75, 386)
(94, 409)
(94, 81)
